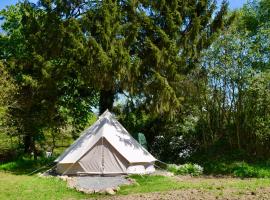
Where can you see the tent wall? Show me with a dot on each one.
(92, 161)
(103, 159)
(141, 168)
(73, 169)
(111, 163)
(69, 168)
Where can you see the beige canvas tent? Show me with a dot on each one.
(106, 148)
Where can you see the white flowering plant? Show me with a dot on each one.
(186, 169)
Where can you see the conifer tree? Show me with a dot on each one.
(147, 48)
(172, 37)
(108, 63)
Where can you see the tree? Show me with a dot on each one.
(65, 54)
(173, 35)
(38, 51)
(232, 100)
(257, 111)
(8, 89)
(145, 48)
(107, 61)
(228, 66)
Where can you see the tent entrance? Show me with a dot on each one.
(103, 158)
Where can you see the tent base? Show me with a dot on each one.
(76, 169)
(100, 174)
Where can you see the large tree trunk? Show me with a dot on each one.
(35, 151)
(29, 146)
(106, 100)
(27, 140)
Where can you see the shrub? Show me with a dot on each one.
(189, 168)
(238, 169)
(243, 170)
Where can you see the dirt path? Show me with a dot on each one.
(219, 190)
(262, 194)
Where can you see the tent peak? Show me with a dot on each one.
(107, 113)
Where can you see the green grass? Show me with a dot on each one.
(25, 187)
(149, 184)
(27, 166)
(17, 183)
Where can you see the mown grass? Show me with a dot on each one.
(23, 187)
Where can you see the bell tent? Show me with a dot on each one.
(106, 148)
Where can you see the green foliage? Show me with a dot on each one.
(258, 106)
(244, 170)
(233, 100)
(170, 45)
(192, 79)
(255, 15)
(49, 96)
(186, 169)
(238, 169)
(226, 102)
(133, 47)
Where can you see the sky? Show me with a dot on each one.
(234, 4)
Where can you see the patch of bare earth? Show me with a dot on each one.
(192, 194)
(217, 190)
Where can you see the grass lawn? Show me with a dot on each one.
(33, 187)
(22, 187)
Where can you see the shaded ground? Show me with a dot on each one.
(101, 183)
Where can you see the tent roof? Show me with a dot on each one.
(108, 127)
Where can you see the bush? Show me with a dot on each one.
(238, 169)
(189, 168)
(8, 155)
(244, 170)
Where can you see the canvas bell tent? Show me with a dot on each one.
(105, 148)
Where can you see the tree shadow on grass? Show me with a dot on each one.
(26, 166)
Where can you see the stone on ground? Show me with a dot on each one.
(98, 184)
